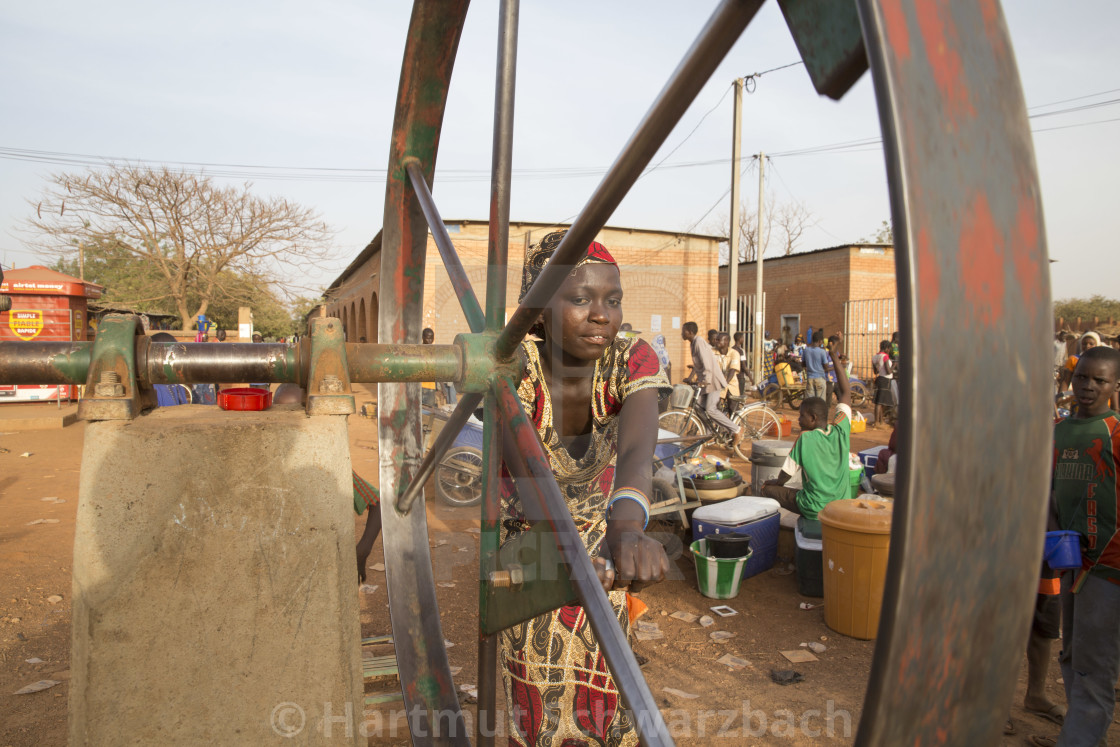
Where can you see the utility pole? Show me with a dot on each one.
(733, 237)
(758, 306)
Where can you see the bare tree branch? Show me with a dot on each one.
(196, 236)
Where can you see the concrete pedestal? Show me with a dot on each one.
(215, 587)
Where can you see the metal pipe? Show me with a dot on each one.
(451, 262)
(210, 363)
(501, 165)
(44, 362)
(492, 433)
(497, 262)
(376, 362)
(528, 458)
(487, 727)
(709, 49)
(447, 436)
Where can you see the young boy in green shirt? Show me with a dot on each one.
(820, 454)
(1086, 499)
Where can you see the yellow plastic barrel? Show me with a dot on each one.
(856, 538)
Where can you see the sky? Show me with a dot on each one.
(297, 98)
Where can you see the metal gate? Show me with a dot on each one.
(866, 324)
(744, 316)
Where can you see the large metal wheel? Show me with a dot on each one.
(681, 422)
(970, 255)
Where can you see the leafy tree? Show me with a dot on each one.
(201, 244)
(883, 235)
(138, 285)
(1087, 309)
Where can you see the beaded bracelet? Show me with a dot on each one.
(632, 494)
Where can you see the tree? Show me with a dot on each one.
(139, 286)
(1087, 309)
(791, 218)
(201, 243)
(883, 235)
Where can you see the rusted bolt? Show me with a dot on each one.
(513, 578)
(110, 385)
(330, 384)
(516, 577)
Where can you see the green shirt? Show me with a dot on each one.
(821, 456)
(1086, 494)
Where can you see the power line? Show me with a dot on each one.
(446, 175)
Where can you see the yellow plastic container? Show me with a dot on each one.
(856, 538)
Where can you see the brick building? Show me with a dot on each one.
(668, 278)
(849, 288)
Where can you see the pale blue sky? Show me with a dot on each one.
(312, 85)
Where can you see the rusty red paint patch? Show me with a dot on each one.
(897, 32)
(929, 278)
(981, 262)
(1025, 251)
(941, 43)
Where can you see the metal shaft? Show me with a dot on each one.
(505, 85)
(44, 362)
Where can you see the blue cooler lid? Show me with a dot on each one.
(735, 511)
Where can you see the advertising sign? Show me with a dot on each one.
(26, 324)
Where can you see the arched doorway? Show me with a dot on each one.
(362, 321)
(373, 318)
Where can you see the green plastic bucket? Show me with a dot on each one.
(854, 478)
(718, 578)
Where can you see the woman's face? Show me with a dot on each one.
(1087, 342)
(586, 312)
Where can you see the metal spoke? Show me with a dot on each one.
(467, 405)
(497, 263)
(459, 281)
(709, 49)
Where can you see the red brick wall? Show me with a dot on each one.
(816, 285)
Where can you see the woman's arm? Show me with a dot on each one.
(637, 558)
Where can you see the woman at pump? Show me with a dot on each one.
(593, 399)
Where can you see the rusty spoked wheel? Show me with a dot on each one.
(970, 255)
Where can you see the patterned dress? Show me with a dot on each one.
(558, 688)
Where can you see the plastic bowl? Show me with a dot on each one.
(248, 398)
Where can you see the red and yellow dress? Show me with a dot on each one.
(558, 687)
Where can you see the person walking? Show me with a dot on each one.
(706, 372)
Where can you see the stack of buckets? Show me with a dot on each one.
(719, 577)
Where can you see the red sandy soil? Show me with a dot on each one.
(35, 563)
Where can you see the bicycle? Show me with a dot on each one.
(686, 417)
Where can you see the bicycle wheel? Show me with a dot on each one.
(760, 422)
(681, 422)
(772, 395)
(459, 477)
(859, 394)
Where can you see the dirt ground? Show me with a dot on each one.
(712, 703)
